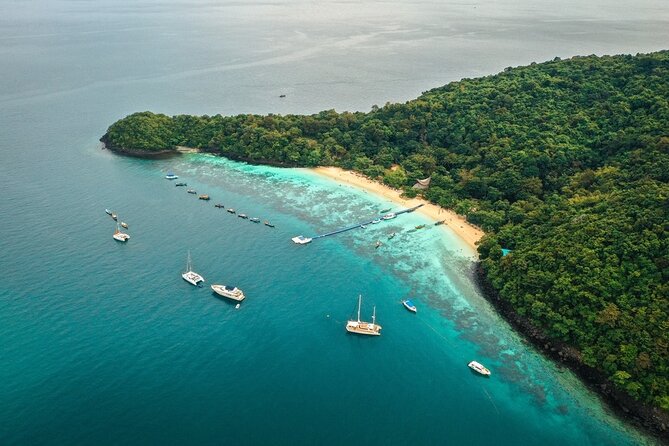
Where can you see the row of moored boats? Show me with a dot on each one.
(206, 197)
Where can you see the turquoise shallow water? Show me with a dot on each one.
(104, 343)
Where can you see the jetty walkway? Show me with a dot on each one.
(303, 240)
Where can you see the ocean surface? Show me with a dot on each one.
(104, 343)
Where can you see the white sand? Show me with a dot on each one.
(467, 232)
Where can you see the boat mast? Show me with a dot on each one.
(188, 268)
(359, 303)
(374, 316)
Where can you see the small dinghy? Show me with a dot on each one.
(124, 224)
(269, 224)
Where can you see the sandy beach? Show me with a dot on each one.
(467, 232)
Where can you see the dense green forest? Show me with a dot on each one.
(566, 163)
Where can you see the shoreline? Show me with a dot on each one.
(456, 223)
(644, 417)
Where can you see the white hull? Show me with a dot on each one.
(361, 327)
(121, 237)
(365, 328)
(192, 277)
(300, 240)
(479, 368)
(234, 293)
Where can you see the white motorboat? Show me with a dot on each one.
(361, 327)
(389, 216)
(479, 368)
(171, 176)
(231, 292)
(191, 276)
(301, 240)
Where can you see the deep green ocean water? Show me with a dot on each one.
(104, 343)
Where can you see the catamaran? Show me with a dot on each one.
(191, 276)
(120, 236)
(360, 327)
(231, 292)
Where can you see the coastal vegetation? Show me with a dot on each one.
(565, 163)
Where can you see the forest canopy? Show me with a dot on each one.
(565, 163)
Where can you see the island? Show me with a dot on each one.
(563, 164)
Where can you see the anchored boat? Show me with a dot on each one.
(409, 305)
(191, 276)
(361, 327)
(171, 176)
(231, 292)
(479, 368)
(120, 236)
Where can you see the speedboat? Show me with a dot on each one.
(383, 211)
(243, 216)
(191, 276)
(231, 292)
(181, 184)
(171, 176)
(479, 368)
(301, 240)
(108, 212)
(191, 191)
(114, 217)
(389, 216)
(219, 205)
(232, 211)
(204, 197)
(120, 236)
(124, 224)
(254, 219)
(409, 305)
(420, 226)
(440, 222)
(268, 224)
(376, 221)
(391, 236)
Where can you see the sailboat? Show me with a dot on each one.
(120, 236)
(191, 276)
(360, 327)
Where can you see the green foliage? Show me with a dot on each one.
(564, 162)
